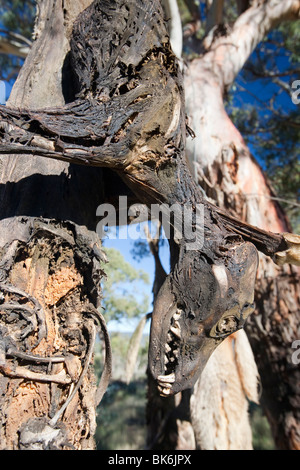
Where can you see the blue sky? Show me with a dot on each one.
(125, 246)
(2, 92)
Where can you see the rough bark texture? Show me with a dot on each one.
(50, 269)
(129, 116)
(47, 336)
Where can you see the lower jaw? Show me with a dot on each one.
(164, 392)
(165, 384)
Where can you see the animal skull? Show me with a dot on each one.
(201, 302)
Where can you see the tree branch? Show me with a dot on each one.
(228, 54)
(14, 44)
(242, 5)
(271, 74)
(130, 116)
(194, 10)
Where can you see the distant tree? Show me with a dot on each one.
(269, 121)
(16, 35)
(123, 281)
(220, 51)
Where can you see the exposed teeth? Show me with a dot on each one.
(166, 385)
(176, 332)
(167, 378)
(171, 354)
(177, 315)
(164, 391)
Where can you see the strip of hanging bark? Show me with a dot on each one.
(129, 116)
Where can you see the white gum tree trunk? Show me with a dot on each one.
(223, 165)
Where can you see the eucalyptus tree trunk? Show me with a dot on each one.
(50, 266)
(230, 176)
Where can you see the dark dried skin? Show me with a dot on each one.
(212, 295)
(129, 116)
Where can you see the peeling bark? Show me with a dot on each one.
(46, 333)
(227, 52)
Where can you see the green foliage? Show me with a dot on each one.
(262, 438)
(121, 414)
(261, 107)
(140, 249)
(274, 141)
(123, 293)
(18, 16)
(121, 417)
(290, 32)
(184, 12)
(257, 104)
